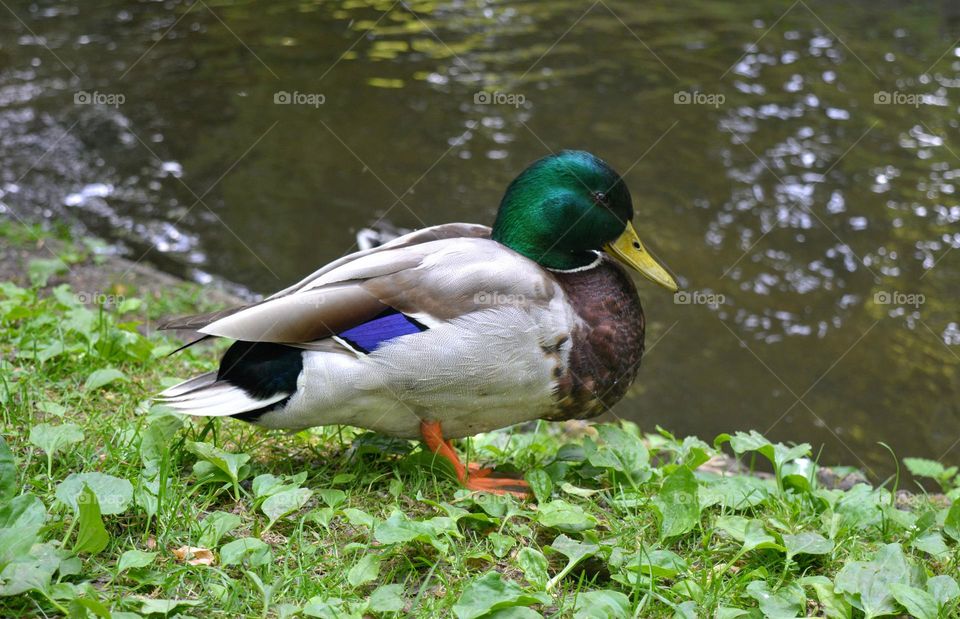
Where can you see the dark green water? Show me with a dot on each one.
(812, 178)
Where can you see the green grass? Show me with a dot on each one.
(100, 492)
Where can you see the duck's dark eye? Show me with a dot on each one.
(601, 198)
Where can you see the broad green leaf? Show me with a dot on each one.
(92, 536)
(860, 507)
(603, 604)
(129, 305)
(918, 603)
(387, 599)
(52, 439)
(102, 378)
(540, 483)
(52, 408)
(660, 563)
(736, 493)
(399, 529)
(8, 473)
(132, 559)
(629, 452)
(322, 516)
(227, 462)
(502, 544)
(833, 605)
(788, 602)
(25, 510)
(114, 494)
(574, 551)
(564, 516)
(800, 474)
(71, 566)
(943, 588)
(807, 543)
(726, 612)
(687, 610)
(146, 494)
(755, 537)
(155, 439)
(498, 506)
(358, 517)
(922, 467)
(328, 608)
(286, 610)
(251, 550)
(734, 526)
(230, 464)
(365, 570)
(778, 454)
(40, 270)
(215, 526)
(583, 493)
(15, 542)
(79, 606)
(266, 485)
(932, 543)
(491, 592)
(156, 606)
(332, 497)
(515, 612)
(693, 452)
(284, 503)
(677, 503)
(20, 523)
(951, 525)
(869, 582)
(534, 566)
(31, 571)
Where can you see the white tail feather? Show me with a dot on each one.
(191, 384)
(203, 396)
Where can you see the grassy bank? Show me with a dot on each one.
(111, 507)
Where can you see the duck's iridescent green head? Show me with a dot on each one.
(564, 208)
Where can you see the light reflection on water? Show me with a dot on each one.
(801, 166)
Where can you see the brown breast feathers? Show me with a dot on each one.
(605, 354)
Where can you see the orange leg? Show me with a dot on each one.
(473, 470)
(471, 476)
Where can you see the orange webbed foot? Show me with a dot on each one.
(472, 476)
(499, 485)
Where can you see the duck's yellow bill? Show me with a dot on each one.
(629, 250)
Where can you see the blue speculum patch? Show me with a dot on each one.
(372, 334)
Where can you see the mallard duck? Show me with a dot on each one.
(451, 330)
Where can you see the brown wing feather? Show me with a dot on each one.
(425, 235)
(301, 317)
(195, 322)
(333, 298)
